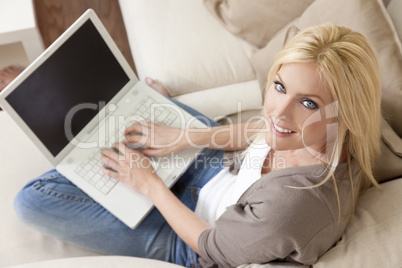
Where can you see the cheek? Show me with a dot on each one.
(315, 129)
(315, 134)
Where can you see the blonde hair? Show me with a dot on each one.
(348, 63)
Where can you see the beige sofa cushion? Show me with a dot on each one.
(389, 164)
(21, 161)
(212, 102)
(373, 237)
(101, 262)
(256, 21)
(394, 9)
(180, 44)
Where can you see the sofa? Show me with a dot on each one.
(211, 57)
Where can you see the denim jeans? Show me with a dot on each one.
(54, 206)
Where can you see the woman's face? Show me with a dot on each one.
(299, 109)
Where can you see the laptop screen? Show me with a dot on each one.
(82, 72)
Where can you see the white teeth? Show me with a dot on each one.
(281, 129)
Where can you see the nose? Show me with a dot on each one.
(283, 109)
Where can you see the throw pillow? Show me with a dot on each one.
(394, 9)
(256, 21)
(372, 237)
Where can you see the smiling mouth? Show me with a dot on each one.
(281, 131)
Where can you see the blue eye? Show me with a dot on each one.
(279, 87)
(310, 104)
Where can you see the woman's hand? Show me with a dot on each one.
(159, 138)
(130, 167)
(135, 170)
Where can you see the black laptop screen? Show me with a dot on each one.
(80, 75)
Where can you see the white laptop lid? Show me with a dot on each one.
(40, 99)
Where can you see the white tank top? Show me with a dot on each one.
(225, 189)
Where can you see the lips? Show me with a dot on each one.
(280, 131)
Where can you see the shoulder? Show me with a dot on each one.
(304, 213)
(288, 186)
(293, 191)
(290, 195)
(278, 220)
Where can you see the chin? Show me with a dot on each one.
(280, 144)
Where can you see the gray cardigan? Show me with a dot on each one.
(272, 222)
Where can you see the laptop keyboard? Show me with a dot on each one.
(90, 169)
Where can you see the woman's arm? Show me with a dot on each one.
(131, 167)
(228, 137)
(187, 225)
(162, 140)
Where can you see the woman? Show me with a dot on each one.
(293, 194)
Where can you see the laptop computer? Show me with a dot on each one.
(78, 96)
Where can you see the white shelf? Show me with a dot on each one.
(13, 54)
(18, 25)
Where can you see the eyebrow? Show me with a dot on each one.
(305, 95)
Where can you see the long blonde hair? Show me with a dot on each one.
(349, 65)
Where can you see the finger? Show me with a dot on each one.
(110, 154)
(110, 173)
(136, 127)
(110, 163)
(140, 127)
(121, 149)
(136, 139)
(135, 145)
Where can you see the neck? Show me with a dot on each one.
(291, 158)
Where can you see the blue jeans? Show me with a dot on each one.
(56, 207)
